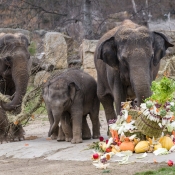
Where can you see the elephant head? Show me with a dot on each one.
(15, 64)
(135, 52)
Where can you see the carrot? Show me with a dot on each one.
(128, 120)
(172, 118)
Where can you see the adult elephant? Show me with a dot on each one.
(127, 60)
(15, 64)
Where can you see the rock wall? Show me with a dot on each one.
(55, 48)
(87, 55)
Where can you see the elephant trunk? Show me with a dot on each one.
(55, 123)
(141, 83)
(20, 77)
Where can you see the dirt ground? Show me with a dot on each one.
(39, 128)
(38, 166)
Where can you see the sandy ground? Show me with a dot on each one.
(37, 129)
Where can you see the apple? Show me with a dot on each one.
(95, 155)
(170, 163)
(108, 150)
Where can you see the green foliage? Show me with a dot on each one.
(161, 171)
(31, 103)
(95, 146)
(163, 90)
(32, 48)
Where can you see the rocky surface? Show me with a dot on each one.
(55, 48)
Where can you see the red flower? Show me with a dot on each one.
(101, 139)
(106, 141)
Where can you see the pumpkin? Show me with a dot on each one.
(166, 142)
(127, 145)
(142, 147)
(157, 146)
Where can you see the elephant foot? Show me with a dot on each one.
(86, 137)
(75, 140)
(54, 136)
(68, 139)
(60, 138)
(96, 136)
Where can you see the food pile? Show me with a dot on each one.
(148, 128)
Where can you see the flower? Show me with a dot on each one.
(101, 139)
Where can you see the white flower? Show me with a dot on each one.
(100, 165)
(109, 142)
(143, 106)
(172, 103)
(160, 125)
(146, 112)
(125, 114)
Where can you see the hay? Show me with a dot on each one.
(148, 127)
(138, 133)
(134, 113)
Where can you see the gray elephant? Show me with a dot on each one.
(15, 65)
(127, 60)
(70, 97)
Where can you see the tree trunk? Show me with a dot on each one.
(87, 21)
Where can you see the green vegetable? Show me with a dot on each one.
(172, 108)
(149, 105)
(163, 91)
(163, 112)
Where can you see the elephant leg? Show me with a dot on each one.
(86, 133)
(107, 102)
(94, 116)
(61, 135)
(66, 126)
(77, 127)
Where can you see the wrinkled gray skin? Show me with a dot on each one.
(15, 64)
(9, 131)
(16, 132)
(127, 60)
(69, 97)
(4, 126)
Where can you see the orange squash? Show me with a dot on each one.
(127, 145)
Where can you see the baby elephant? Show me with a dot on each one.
(69, 98)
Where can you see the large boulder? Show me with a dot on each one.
(87, 53)
(87, 50)
(55, 49)
(41, 77)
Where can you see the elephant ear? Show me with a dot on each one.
(24, 39)
(72, 88)
(107, 52)
(160, 45)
